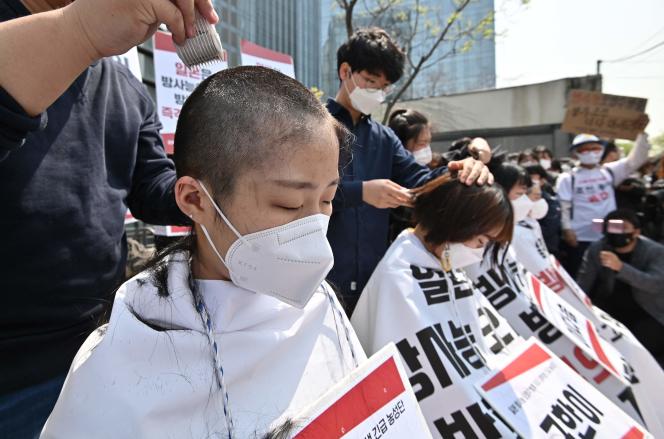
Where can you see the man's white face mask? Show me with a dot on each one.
(287, 262)
(590, 157)
(365, 100)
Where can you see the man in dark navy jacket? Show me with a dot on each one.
(79, 144)
(377, 173)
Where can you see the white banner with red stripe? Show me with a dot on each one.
(254, 55)
(534, 310)
(648, 381)
(541, 397)
(374, 401)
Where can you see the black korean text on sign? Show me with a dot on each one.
(385, 422)
(537, 323)
(458, 423)
(494, 288)
(572, 416)
(435, 287)
(490, 330)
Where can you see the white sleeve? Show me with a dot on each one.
(637, 157)
(564, 187)
(620, 170)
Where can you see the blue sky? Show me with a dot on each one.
(549, 39)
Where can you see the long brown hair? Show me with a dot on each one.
(450, 211)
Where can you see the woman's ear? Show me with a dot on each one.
(189, 198)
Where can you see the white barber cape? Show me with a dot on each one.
(448, 336)
(150, 372)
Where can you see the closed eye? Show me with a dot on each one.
(292, 209)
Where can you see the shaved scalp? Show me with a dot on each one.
(244, 118)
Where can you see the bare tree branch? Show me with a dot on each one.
(380, 10)
(348, 6)
(402, 89)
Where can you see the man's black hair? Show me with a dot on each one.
(537, 170)
(542, 149)
(625, 215)
(508, 175)
(372, 49)
(609, 147)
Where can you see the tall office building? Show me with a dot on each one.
(459, 72)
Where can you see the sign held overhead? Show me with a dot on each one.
(608, 116)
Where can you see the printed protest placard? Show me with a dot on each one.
(174, 82)
(540, 397)
(374, 401)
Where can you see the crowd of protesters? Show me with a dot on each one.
(317, 234)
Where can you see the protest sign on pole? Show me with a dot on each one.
(373, 401)
(255, 55)
(130, 60)
(174, 82)
(540, 397)
(609, 116)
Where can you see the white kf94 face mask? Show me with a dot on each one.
(365, 100)
(540, 209)
(590, 157)
(287, 262)
(424, 155)
(521, 207)
(462, 256)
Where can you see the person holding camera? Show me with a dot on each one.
(623, 273)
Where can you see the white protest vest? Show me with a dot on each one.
(648, 381)
(444, 331)
(150, 373)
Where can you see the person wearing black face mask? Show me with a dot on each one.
(624, 275)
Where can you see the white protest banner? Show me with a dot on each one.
(130, 60)
(448, 336)
(255, 55)
(373, 401)
(534, 310)
(174, 82)
(540, 397)
(531, 251)
(648, 377)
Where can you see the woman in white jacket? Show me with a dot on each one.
(234, 330)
